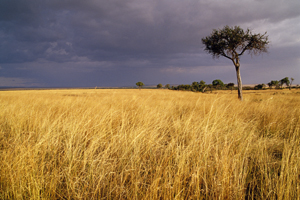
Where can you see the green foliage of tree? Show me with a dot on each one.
(140, 84)
(273, 83)
(292, 79)
(270, 85)
(159, 86)
(210, 87)
(285, 81)
(230, 86)
(184, 87)
(259, 87)
(195, 86)
(202, 83)
(231, 43)
(167, 86)
(202, 86)
(217, 83)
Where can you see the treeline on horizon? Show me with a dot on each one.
(219, 85)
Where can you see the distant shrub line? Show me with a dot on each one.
(219, 85)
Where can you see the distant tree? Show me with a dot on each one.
(140, 84)
(183, 87)
(285, 81)
(270, 85)
(202, 86)
(159, 86)
(210, 86)
(195, 86)
(232, 42)
(275, 83)
(217, 83)
(280, 84)
(292, 79)
(259, 87)
(230, 86)
(167, 86)
(202, 83)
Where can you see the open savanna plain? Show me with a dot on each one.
(149, 144)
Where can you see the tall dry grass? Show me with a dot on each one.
(149, 144)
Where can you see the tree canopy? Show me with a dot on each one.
(230, 85)
(285, 81)
(140, 84)
(273, 83)
(217, 82)
(232, 42)
(159, 86)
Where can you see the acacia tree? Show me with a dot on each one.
(195, 86)
(159, 86)
(285, 81)
(202, 86)
(217, 83)
(139, 84)
(230, 85)
(232, 42)
(275, 83)
(270, 84)
(292, 79)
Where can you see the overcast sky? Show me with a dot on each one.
(88, 43)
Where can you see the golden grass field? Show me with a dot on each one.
(149, 144)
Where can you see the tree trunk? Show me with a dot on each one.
(239, 82)
(291, 82)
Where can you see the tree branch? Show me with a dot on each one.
(233, 62)
(223, 54)
(246, 47)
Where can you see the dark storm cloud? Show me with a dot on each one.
(121, 34)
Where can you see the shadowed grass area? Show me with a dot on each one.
(149, 144)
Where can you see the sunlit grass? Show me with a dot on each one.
(149, 144)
